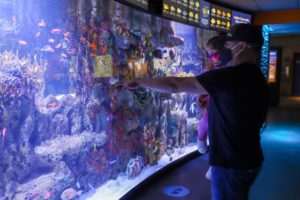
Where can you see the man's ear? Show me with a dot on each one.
(241, 47)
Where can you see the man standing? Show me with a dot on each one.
(238, 107)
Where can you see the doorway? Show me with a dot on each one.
(296, 76)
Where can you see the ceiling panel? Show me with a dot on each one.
(262, 5)
(247, 5)
(269, 5)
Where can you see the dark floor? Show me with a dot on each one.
(279, 178)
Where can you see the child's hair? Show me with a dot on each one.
(217, 42)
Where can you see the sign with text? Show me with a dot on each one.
(194, 12)
(240, 18)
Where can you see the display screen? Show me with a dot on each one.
(204, 14)
(272, 67)
(220, 18)
(176, 9)
(194, 12)
(240, 18)
(140, 3)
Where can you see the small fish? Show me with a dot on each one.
(51, 40)
(93, 55)
(23, 42)
(109, 117)
(86, 70)
(47, 48)
(14, 19)
(58, 46)
(69, 194)
(4, 133)
(42, 23)
(63, 55)
(52, 105)
(78, 185)
(95, 147)
(92, 46)
(38, 34)
(113, 81)
(55, 31)
(48, 194)
(82, 39)
(104, 49)
(67, 34)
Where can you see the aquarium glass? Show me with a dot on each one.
(68, 128)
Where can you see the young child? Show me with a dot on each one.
(219, 57)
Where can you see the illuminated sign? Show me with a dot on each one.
(176, 9)
(140, 3)
(194, 12)
(220, 18)
(240, 18)
(272, 67)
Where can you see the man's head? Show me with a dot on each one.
(245, 42)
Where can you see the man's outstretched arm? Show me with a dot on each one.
(169, 84)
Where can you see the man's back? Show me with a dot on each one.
(237, 110)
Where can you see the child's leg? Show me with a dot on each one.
(202, 133)
(203, 126)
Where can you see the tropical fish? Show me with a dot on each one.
(48, 48)
(52, 105)
(86, 70)
(109, 117)
(42, 23)
(55, 31)
(92, 46)
(104, 49)
(14, 19)
(82, 39)
(58, 46)
(51, 40)
(67, 34)
(69, 194)
(113, 81)
(23, 42)
(63, 55)
(48, 194)
(78, 184)
(93, 55)
(38, 34)
(4, 132)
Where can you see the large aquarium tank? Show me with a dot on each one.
(68, 129)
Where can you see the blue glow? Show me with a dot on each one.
(283, 134)
(176, 191)
(265, 50)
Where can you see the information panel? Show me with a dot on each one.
(194, 12)
(176, 9)
(204, 14)
(220, 18)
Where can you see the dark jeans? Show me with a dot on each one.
(231, 184)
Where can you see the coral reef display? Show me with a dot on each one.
(66, 125)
